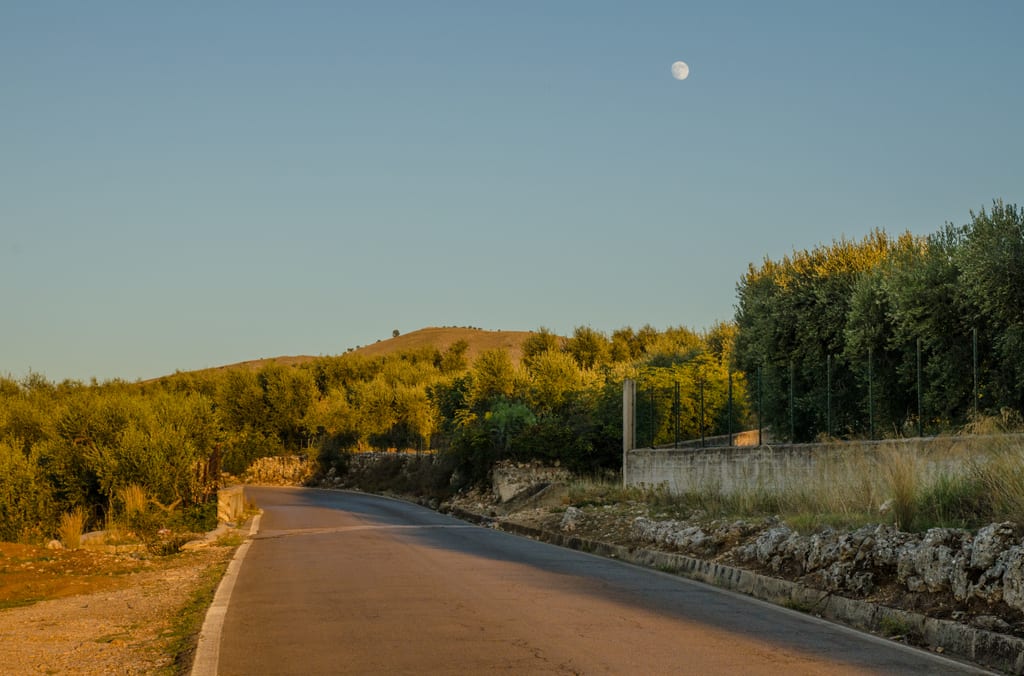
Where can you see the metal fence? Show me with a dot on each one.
(838, 398)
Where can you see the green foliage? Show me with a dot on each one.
(453, 359)
(26, 504)
(953, 500)
(588, 347)
(494, 378)
(991, 261)
(826, 325)
(68, 445)
(540, 342)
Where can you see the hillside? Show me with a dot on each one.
(479, 340)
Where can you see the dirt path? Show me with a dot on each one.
(103, 613)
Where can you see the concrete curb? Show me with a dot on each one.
(207, 655)
(986, 648)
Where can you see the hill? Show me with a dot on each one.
(441, 338)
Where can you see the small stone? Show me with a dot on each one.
(54, 544)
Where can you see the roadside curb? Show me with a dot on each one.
(985, 648)
(207, 655)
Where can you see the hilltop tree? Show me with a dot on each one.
(539, 342)
(588, 347)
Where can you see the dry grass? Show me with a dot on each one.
(134, 501)
(72, 525)
(903, 471)
(951, 482)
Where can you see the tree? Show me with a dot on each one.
(494, 377)
(588, 347)
(991, 261)
(539, 342)
(791, 320)
(453, 359)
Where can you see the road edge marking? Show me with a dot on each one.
(207, 657)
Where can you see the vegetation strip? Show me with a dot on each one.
(207, 640)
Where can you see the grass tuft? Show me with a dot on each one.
(134, 501)
(902, 470)
(72, 525)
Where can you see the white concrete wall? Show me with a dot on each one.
(768, 468)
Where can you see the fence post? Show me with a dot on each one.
(730, 408)
(974, 349)
(871, 397)
(792, 416)
(628, 423)
(920, 409)
(652, 415)
(760, 442)
(702, 410)
(676, 412)
(828, 396)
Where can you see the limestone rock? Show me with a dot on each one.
(990, 542)
(571, 519)
(929, 566)
(1013, 578)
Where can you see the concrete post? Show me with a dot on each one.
(628, 423)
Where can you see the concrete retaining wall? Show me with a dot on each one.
(230, 504)
(768, 468)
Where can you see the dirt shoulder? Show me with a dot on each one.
(87, 611)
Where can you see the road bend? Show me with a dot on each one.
(348, 583)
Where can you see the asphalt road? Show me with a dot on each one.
(338, 582)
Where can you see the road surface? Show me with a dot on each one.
(347, 583)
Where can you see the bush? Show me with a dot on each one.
(26, 506)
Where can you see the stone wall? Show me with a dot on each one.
(288, 470)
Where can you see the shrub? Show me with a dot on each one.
(26, 505)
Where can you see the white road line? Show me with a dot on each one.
(208, 648)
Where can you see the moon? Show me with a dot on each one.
(680, 70)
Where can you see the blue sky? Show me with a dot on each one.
(189, 184)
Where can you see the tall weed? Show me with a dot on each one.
(134, 502)
(1001, 475)
(903, 471)
(72, 525)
